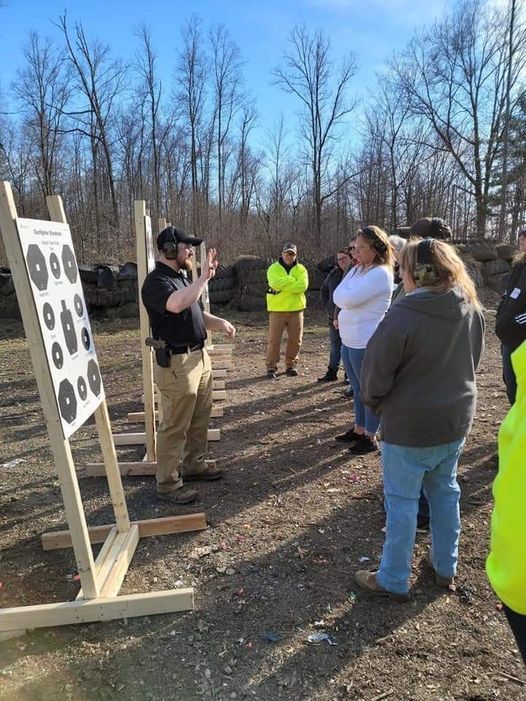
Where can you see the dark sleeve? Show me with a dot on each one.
(325, 291)
(383, 356)
(155, 293)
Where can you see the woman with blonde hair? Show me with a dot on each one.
(418, 375)
(363, 297)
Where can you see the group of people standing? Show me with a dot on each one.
(410, 354)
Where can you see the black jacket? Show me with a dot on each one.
(510, 324)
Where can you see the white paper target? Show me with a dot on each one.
(62, 314)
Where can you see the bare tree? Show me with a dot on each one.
(43, 88)
(307, 74)
(228, 98)
(149, 92)
(191, 97)
(454, 76)
(100, 80)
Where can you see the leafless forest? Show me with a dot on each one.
(443, 133)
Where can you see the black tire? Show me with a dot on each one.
(224, 271)
(222, 296)
(226, 283)
(495, 267)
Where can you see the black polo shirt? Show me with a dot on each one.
(184, 329)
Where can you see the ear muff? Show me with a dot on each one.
(425, 270)
(170, 250)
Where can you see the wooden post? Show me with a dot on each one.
(145, 262)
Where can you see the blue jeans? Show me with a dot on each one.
(508, 374)
(363, 416)
(405, 470)
(336, 345)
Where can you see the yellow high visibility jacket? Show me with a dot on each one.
(506, 563)
(289, 288)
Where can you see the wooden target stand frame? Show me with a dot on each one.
(150, 398)
(100, 577)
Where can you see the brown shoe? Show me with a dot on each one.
(179, 496)
(208, 475)
(442, 582)
(367, 581)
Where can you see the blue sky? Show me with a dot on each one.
(371, 29)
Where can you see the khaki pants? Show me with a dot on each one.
(277, 321)
(186, 398)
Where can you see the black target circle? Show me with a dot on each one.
(86, 340)
(49, 316)
(54, 265)
(79, 307)
(82, 388)
(57, 355)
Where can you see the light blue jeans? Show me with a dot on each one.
(352, 362)
(405, 470)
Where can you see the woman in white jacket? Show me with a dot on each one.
(363, 296)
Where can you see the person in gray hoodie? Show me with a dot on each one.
(418, 376)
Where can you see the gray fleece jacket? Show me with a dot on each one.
(418, 373)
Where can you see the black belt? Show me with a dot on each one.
(178, 350)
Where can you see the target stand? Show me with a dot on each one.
(54, 313)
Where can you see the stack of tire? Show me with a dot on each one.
(222, 287)
(252, 285)
(110, 287)
(317, 275)
(8, 301)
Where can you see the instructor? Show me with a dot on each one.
(183, 371)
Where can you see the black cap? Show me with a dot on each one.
(173, 235)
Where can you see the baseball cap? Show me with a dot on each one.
(290, 247)
(174, 235)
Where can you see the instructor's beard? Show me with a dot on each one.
(185, 265)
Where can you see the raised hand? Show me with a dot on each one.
(210, 265)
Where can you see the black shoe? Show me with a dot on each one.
(363, 446)
(349, 437)
(330, 376)
(291, 372)
(271, 375)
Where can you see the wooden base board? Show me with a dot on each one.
(148, 527)
(225, 348)
(214, 434)
(129, 469)
(137, 417)
(89, 611)
(217, 395)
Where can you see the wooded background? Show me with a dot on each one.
(442, 133)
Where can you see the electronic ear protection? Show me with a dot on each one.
(170, 250)
(425, 270)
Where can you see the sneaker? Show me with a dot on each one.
(179, 496)
(367, 581)
(349, 437)
(271, 375)
(291, 372)
(442, 582)
(330, 376)
(363, 446)
(347, 392)
(208, 474)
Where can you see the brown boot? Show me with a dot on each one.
(208, 475)
(442, 582)
(179, 496)
(367, 581)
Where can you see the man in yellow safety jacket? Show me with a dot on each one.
(506, 563)
(288, 281)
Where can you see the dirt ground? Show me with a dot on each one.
(293, 518)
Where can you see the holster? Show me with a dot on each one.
(162, 357)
